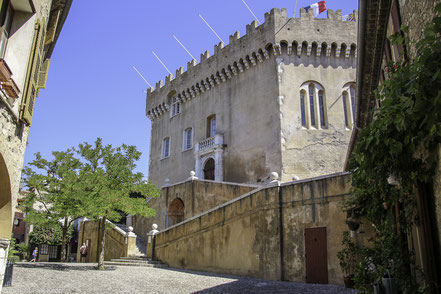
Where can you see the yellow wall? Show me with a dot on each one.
(243, 237)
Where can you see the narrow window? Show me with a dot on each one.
(352, 91)
(188, 139)
(345, 109)
(312, 105)
(211, 126)
(322, 110)
(6, 23)
(166, 148)
(176, 107)
(303, 108)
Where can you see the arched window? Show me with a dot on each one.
(312, 105)
(313, 108)
(188, 139)
(303, 108)
(348, 97)
(323, 122)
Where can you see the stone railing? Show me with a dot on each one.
(207, 143)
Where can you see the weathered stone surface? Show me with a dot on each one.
(244, 236)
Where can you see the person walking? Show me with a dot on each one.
(34, 254)
(83, 252)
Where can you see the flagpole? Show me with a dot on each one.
(295, 9)
(142, 77)
(255, 17)
(161, 62)
(183, 47)
(211, 28)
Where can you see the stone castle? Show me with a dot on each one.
(278, 99)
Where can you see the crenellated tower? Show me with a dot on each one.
(280, 98)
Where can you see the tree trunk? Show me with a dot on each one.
(103, 242)
(64, 228)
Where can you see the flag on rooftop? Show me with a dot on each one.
(348, 17)
(318, 7)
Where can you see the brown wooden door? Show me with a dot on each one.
(316, 255)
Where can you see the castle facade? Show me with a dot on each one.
(278, 99)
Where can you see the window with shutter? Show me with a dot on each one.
(32, 76)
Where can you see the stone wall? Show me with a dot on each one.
(415, 15)
(261, 234)
(118, 244)
(198, 196)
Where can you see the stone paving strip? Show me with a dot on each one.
(44, 277)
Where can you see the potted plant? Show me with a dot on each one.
(23, 250)
(348, 259)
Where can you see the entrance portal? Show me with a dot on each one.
(209, 169)
(176, 211)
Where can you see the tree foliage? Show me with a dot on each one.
(93, 181)
(401, 141)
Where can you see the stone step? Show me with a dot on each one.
(144, 264)
(135, 261)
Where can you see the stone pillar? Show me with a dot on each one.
(4, 246)
(197, 165)
(131, 242)
(150, 240)
(218, 168)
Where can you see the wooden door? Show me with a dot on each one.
(316, 255)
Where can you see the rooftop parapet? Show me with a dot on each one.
(331, 34)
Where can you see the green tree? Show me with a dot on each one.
(53, 199)
(107, 179)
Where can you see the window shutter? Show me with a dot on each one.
(32, 76)
(42, 74)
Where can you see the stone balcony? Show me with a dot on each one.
(209, 143)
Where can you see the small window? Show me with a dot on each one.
(166, 148)
(175, 107)
(346, 109)
(211, 126)
(188, 139)
(322, 109)
(348, 97)
(312, 105)
(303, 108)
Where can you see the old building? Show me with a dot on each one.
(29, 31)
(278, 99)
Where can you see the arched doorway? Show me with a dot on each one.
(5, 202)
(176, 211)
(209, 169)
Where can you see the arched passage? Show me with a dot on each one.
(209, 169)
(176, 211)
(5, 201)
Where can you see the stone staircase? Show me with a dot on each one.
(136, 261)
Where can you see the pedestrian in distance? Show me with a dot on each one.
(83, 252)
(34, 254)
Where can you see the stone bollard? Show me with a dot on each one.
(151, 241)
(131, 242)
(273, 180)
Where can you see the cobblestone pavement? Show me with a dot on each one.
(83, 278)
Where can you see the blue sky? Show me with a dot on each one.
(92, 89)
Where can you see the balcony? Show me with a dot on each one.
(210, 143)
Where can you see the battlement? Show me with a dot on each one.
(331, 37)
